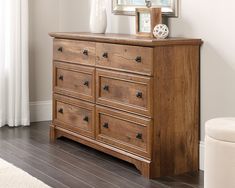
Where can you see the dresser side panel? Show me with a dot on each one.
(176, 109)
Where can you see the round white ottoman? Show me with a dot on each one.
(220, 153)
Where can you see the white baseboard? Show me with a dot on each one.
(201, 154)
(40, 111)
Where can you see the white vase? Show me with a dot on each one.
(98, 17)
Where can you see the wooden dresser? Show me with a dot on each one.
(131, 97)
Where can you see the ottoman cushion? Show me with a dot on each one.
(221, 129)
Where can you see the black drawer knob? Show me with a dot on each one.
(139, 94)
(86, 119)
(86, 83)
(139, 136)
(105, 55)
(106, 125)
(85, 52)
(60, 49)
(106, 88)
(61, 111)
(61, 77)
(138, 59)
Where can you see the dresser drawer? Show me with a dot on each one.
(74, 115)
(125, 58)
(124, 91)
(125, 131)
(74, 80)
(74, 51)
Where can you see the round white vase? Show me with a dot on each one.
(98, 17)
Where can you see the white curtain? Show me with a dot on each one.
(14, 91)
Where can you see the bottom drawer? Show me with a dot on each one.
(122, 130)
(74, 115)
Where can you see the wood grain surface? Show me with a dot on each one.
(129, 132)
(74, 51)
(134, 59)
(146, 105)
(73, 80)
(125, 39)
(122, 91)
(176, 102)
(77, 116)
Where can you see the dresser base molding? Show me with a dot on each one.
(143, 165)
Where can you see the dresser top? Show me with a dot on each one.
(125, 39)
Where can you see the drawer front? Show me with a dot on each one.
(74, 115)
(74, 51)
(125, 131)
(74, 80)
(125, 58)
(124, 91)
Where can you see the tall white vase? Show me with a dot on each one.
(98, 17)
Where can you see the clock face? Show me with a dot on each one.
(144, 23)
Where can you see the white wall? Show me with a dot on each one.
(74, 15)
(210, 20)
(43, 18)
(50, 16)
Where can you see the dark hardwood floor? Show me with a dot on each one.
(70, 164)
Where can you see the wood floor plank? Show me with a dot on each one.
(133, 179)
(69, 164)
(69, 143)
(121, 173)
(45, 167)
(76, 164)
(193, 179)
(69, 169)
(32, 171)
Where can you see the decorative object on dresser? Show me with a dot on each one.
(161, 31)
(146, 20)
(98, 17)
(131, 97)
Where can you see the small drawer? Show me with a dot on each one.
(74, 115)
(75, 81)
(125, 58)
(74, 51)
(126, 92)
(125, 131)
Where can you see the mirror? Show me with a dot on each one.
(127, 7)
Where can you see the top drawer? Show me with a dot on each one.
(79, 52)
(125, 58)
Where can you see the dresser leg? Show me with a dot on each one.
(52, 133)
(144, 169)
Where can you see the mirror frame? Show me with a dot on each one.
(130, 10)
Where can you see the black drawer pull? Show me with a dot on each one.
(86, 83)
(61, 77)
(85, 52)
(60, 49)
(105, 55)
(61, 110)
(139, 136)
(138, 59)
(86, 119)
(106, 88)
(106, 125)
(139, 94)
